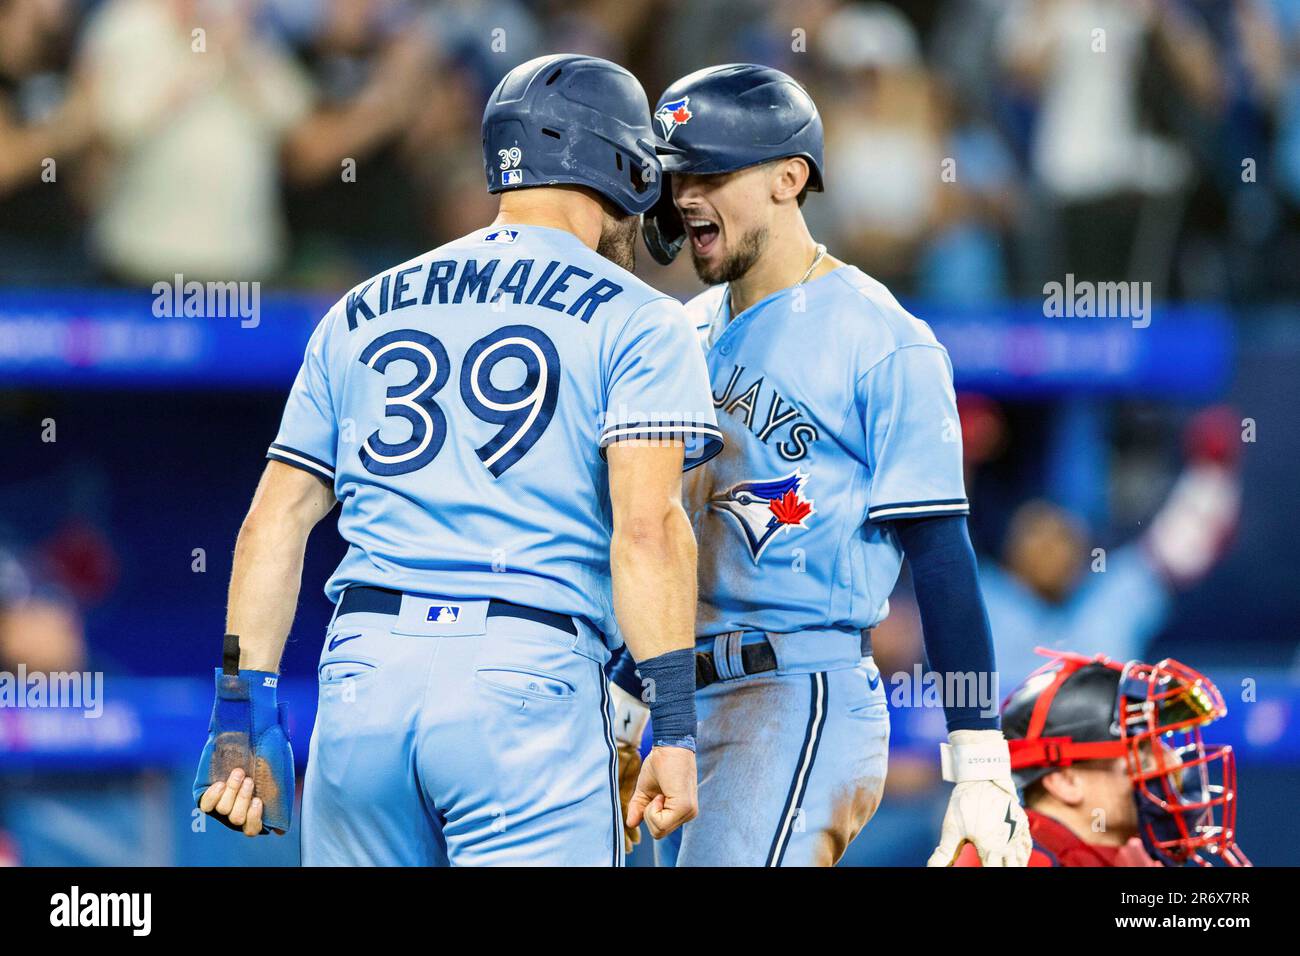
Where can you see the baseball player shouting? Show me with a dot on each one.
(461, 406)
(843, 454)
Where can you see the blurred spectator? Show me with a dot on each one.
(1232, 220)
(44, 128)
(383, 106)
(776, 33)
(1102, 167)
(39, 628)
(604, 28)
(486, 38)
(193, 105)
(963, 51)
(884, 139)
(1288, 142)
(1052, 590)
(1285, 242)
(963, 260)
(40, 632)
(43, 635)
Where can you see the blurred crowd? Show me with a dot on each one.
(976, 148)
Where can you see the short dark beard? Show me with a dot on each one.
(617, 241)
(740, 261)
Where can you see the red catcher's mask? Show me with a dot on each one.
(1186, 790)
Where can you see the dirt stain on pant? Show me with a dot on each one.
(851, 809)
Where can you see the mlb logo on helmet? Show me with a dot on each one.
(512, 177)
(443, 613)
(674, 114)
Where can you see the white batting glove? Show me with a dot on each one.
(984, 808)
(630, 718)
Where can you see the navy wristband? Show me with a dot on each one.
(669, 682)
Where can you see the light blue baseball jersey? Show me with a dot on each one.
(460, 404)
(839, 416)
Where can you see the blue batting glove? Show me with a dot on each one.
(249, 729)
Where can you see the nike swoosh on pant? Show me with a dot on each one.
(335, 642)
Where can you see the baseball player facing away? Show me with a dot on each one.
(505, 422)
(843, 454)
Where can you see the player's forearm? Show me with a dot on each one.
(264, 587)
(267, 569)
(653, 563)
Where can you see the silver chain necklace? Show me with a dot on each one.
(821, 252)
(817, 258)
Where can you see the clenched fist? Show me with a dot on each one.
(665, 795)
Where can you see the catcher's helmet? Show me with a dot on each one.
(725, 118)
(1075, 704)
(572, 120)
(1078, 708)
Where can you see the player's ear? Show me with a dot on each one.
(1066, 785)
(789, 177)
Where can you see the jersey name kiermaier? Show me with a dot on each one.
(839, 415)
(460, 405)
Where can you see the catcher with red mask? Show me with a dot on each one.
(1113, 770)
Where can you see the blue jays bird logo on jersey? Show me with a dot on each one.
(674, 114)
(761, 509)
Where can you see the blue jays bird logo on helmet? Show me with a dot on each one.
(674, 114)
(761, 509)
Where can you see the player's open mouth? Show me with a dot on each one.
(703, 233)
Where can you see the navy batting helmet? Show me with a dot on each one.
(725, 118)
(572, 120)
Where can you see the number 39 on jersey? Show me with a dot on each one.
(522, 412)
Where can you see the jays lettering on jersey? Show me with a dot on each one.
(460, 405)
(839, 416)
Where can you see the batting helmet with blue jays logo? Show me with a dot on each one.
(725, 118)
(568, 119)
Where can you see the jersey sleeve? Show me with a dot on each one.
(913, 436)
(308, 435)
(657, 386)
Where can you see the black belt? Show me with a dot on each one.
(755, 658)
(384, 601)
